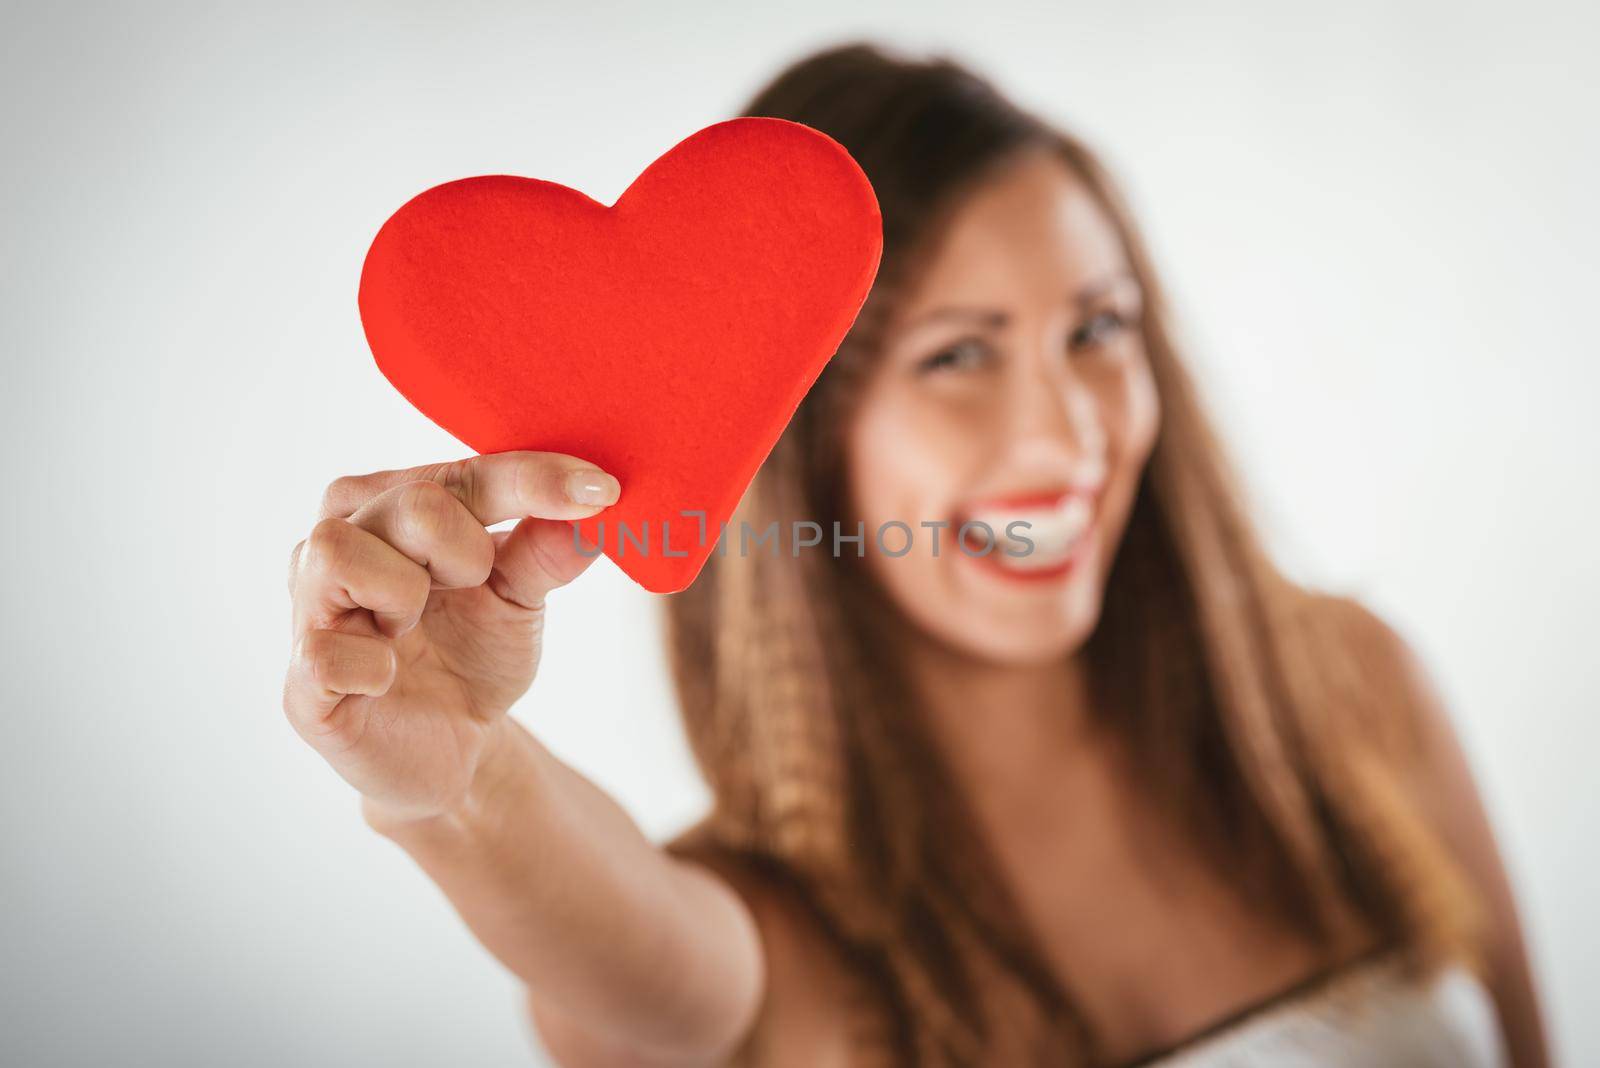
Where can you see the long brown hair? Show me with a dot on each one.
(1256, 706)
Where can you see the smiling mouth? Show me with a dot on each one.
(1040, 536)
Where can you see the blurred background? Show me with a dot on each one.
(1378, 221)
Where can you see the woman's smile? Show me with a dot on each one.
(1035, 537)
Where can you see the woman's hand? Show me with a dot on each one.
(416, 628)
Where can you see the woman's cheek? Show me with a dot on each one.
(1132, 413)
(900, 456)
(906, 462)
(1146, 416)
(1132, 410)
(881, 448)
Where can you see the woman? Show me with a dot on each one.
(1127, 797)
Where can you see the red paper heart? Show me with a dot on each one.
(668, 338)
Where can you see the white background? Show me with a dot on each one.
(1378, 221)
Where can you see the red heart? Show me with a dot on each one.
(668, 338)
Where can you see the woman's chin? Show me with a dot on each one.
(1002, 619)
(1001, 611)
(1021, 642)
(1027, 610)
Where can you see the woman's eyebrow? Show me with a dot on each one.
(987, 318)
(997, 319)
(1092, 292)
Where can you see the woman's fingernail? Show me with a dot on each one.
(594, 487)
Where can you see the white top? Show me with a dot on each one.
(1370, 1016)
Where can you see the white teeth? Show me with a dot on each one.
(1053, 532)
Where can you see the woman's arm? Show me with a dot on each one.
(415, 630)
(630, 956)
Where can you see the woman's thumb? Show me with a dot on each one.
(535, 557)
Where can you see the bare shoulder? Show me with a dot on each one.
(1403, 703)
(1411, 712)
(1437, 770)
(809, 990)
(1370, 637)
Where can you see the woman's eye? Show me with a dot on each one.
(1099, 330)
(963, 355)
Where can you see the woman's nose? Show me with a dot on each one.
(1055, 406)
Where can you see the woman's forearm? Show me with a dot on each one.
(559, 884)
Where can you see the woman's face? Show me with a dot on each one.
(1013, 392)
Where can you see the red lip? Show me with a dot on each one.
(1035, 499)
(1043, 498)
(1053, 573)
